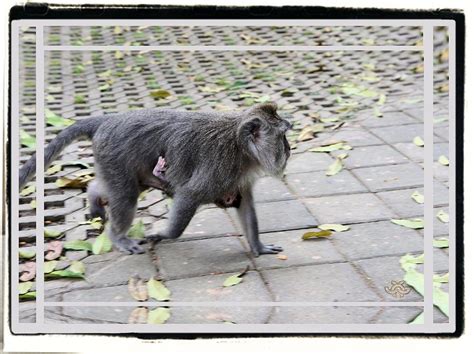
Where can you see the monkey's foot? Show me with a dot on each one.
(129, 246)
(267, 249)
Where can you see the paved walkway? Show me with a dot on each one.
(372, 101)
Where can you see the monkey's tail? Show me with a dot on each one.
(83, 128)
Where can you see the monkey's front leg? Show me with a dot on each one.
(183, 209)
(248, 219)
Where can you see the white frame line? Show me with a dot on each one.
(428, 114)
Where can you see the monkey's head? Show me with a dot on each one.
(262, 132)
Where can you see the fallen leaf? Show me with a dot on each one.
(316, 234)
(418, 141)
(442, 216)
(415, 223)
(158, 316)
(104, 87)
(33, 204)
(138, 316)
(102, 244)
(27, 140)
(157, 290)
(65, 273)
(232, 280)
(418, 197)
(28, 190)
(443, 56)
(306, 134)
(443, 160)
(441, 278)
(137, 231)
(78, 245)
(95, 223)
(137, 288)
(31, 295)
(335, 167)
(382, 99)
(76, 182)
(48, 267)
(329, 120)
(328, 148)
(160, 94)
(53, 250)
(27, 271)
(409, 261)
(53, 169)
(77, 267)
(57, 121)
(24, 287)
(282, 257)
(342, 156)
(334, 227)
(441, 242)
(48, 233)
(377, 112)
(420, 319)
(26, 253)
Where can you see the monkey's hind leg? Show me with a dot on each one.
(122, 202)
(97, 201)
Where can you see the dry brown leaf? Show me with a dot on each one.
(138, 288)
(282, 257)
(138, 315)
(27, 271)
(53, 250)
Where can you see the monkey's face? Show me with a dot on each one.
(264, 132)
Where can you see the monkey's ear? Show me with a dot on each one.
(250, 129)
(269, 108)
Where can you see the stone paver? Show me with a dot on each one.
(191, 258)
(380, 173)
(316, 184)
(323, 282)
(344, 209)
(390, 177)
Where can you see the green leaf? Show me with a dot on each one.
(78, 69)
(443, 160)
(377, 112)
(418, 141)
(420, 319)
(26, 254)
(415, 223)
(418, 197)
(104, 87)
(65, 273)
(328, 148)
(49, 266)
(441, 242)
(329, 120)
(158, 316)
(95, 223)
(161, 94)
(28, 296)
(48, 233)
(57, 121)
(102, 244)
(415, 279)
(232, 280)
(438, 279)
(316, 234)
(105, 74)
(442, 216)
(335, 167)
(441, 300)
(24, 287)
(33, 204)
(334, 227)
(78, 99)
(137, 231)
(409, 262)
(27, 140)
(78, 245)
(28, 190)
(54, 169)
(77, 267)
(382, 99)
(157, 290)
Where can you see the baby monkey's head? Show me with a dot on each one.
(262, 133)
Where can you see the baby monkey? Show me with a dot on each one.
(195, 157)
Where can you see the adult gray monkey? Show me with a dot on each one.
(209, 155)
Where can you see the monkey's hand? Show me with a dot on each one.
(266, 249)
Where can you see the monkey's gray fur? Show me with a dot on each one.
(209, 155)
